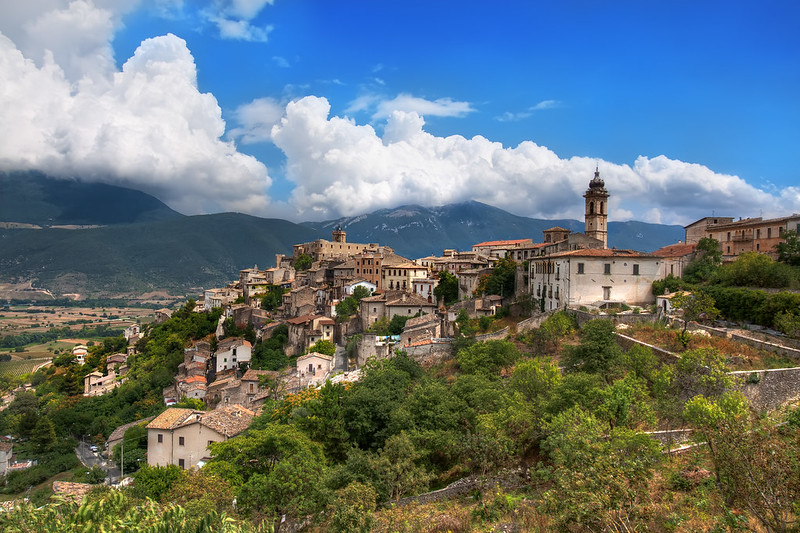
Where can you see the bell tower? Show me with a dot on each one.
(339, 235)
(596, 215)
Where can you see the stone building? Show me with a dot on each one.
(181, 436)
(744, 235)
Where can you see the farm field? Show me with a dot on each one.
(28, 319)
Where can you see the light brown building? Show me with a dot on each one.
(744, 235)
(181, 436)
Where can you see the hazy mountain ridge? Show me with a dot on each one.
(144, 245)
(416, 231)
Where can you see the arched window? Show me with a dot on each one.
(591, 208)
(601, 208)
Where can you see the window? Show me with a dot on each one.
(769, 233)
(580, 268)
(758, 246)
(758, 234)
(180, 441)
(606, 293)
(209, 443)
(607, 268)
(635, 270)
(181, 463)
(160, 437)
(729, 235)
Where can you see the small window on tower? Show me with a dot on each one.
(607, 268)
(635, 270)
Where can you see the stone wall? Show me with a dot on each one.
(497, 335)
(507, 480)
(368, 347)
(768, 389)
(583, 317)
(768, 346)
(532, 322)
(430, 353)
(665, 356)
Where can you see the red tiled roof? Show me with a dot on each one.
(253, 375)
(675, 250)
(195, 379)
(172, 418)
(501, 243)
(557, 228)
(316, 354)
(595, 252)
(303, 319)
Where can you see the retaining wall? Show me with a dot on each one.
(768, 346)
(769, 389)
(665, 356)
(430, 353)
(583, 317)
(497, 335)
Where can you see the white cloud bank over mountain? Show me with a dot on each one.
(65, 109)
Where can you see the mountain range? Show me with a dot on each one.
(126, 242)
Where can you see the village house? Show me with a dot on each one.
(6, 450)
(348, 288)
(231, 352)
(674, 258)
(300, 301)
(313, 369)
(80, 352)
(162, 315)
(307, 330)
(192, 387)
(391, 303)
(424, 287)
(420, 329)
(594, 277)
(246, 391)
(220, 297)
(118, 363)
(181, 436)
(468, 281)
(402, 276)
(96, 384)
(744, 235)
(499, 249)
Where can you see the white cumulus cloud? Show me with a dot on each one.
(342, 168)
(70, 112)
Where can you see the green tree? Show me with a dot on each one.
(597, 476)
(155, 481)
(487, 357)
(446, 291)
(273, 298)
(303, 262)
(324, 347)
(789, 249)
(278, 471)
(707, 259)
(598, 351)
(360, 292)
(44, 434)
(697, 306)
(397, 468)
(352, 509)
(501, 281)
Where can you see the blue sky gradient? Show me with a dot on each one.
(706, 92)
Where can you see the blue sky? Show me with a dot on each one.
(337, 108)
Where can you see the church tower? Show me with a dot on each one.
(339, 235)
(597, 209)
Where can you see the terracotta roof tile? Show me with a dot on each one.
(172, 418)
(675, 250)
(302, 319)
(118, 433)
(593, 252)
(228, 421)
(502, 243)
(71, 491)
(315, 354)
(253, 375)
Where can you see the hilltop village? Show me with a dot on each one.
(398, 375)
(340, 304)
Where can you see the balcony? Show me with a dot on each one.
(742, 238)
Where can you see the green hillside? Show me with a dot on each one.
(180, 254)
(33, 198)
